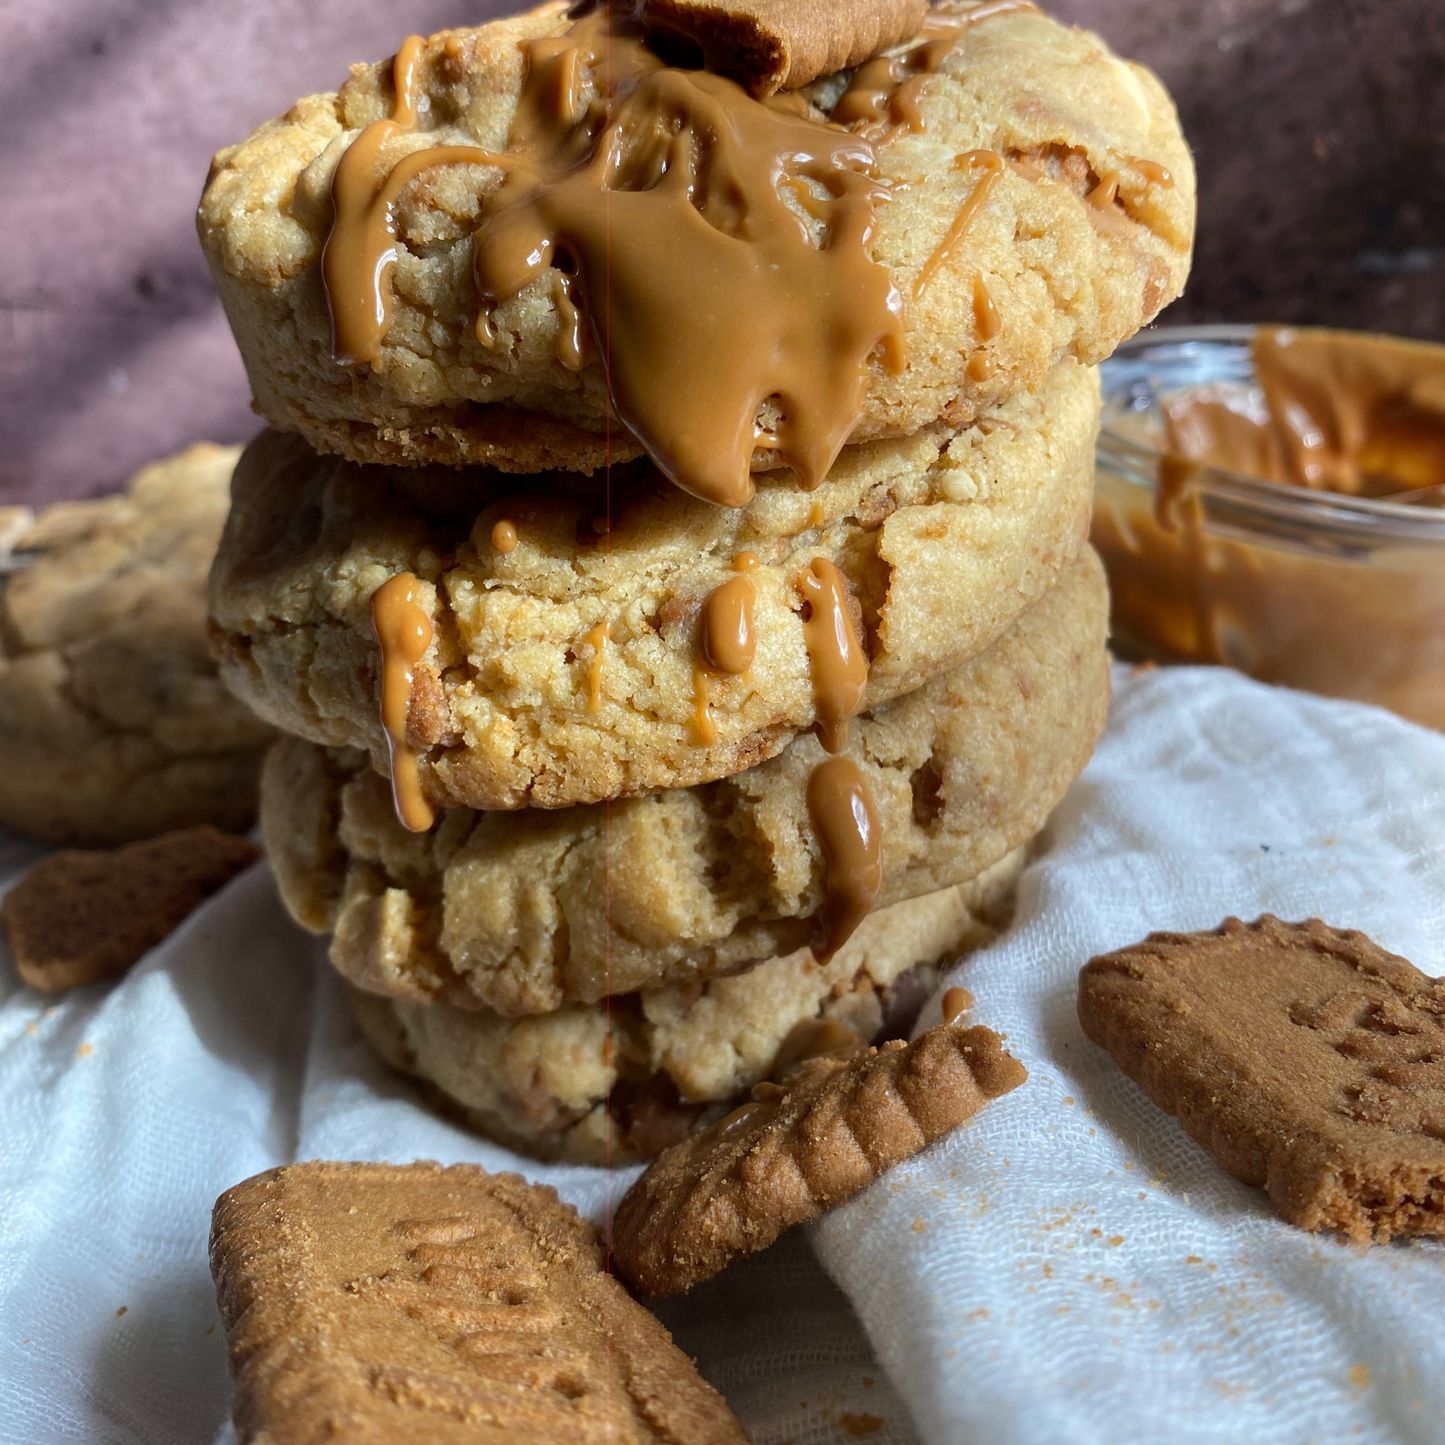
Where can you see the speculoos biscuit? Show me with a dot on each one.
(379, 1303)
(1305, 1058)
(800, 1148)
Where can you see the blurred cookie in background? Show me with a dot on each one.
(113, 722)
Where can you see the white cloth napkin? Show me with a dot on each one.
(1069, 1267)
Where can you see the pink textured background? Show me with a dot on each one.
(1319, 127)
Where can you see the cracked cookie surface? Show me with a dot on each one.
(1076, 243)
(943, 539)
(113, 723)
(1306, 1059)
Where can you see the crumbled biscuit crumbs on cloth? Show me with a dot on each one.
(1003, 1315)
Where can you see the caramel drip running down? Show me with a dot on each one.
(504, 537)
(846, 822)
(986, 321)
(599, 637)
(1106, 192)
(702, 707)
(993, 165)
(706, 292)
(728, 642)
(1152, 171)
(956, 1003)
(360, 252)
(572, 338)
(404, 632)
(816, 1039)
(835, 653)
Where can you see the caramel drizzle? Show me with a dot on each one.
(1152, 171)
(504, 537)
(815, 1039)
(360, 253)
(956, 1003)
(993, 166)
(705, 293)
(835, 654)
(598, 637)
(1106, 192)
(728, 640)
(404, 633)
(986, 320)
(572, 349)
(883, 98)
(846, 823)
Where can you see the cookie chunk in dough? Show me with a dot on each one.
(570, 659)
(113, 723)
(996, 195)
(525, 912)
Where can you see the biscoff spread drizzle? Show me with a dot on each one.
(728, 640)
(846, 823)
(717, 245)
(882, 99)
(835, 652)
(404, 632)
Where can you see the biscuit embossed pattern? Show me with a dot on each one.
(382, 1302)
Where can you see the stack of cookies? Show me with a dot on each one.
(669, 561)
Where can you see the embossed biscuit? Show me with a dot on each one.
(1305, 1058)
(944, 539)
(78, 917)
(380, 1303)
(113, 723)
(614, 1082)
(523, 912)
(800, 1149)
(1078, 246)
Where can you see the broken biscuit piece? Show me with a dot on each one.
(771, 45)
(78, 917)
(1306, 1059)
(796, 1151)
(376, 1302)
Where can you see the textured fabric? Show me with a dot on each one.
(1069, 1267)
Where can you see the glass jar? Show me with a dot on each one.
(1341, 595)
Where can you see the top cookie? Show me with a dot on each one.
(1000, 195)
(113, 723)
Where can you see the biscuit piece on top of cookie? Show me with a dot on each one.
(379, 1303)
(1011, 192)
(1304, 1057)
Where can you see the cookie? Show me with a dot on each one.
(1039, 206)
(798, 1149)
(613, 1082)
(378, 1302)
(524, 912)
(113, 723)
(1305, 1058)
(78, 917)
(570, 664)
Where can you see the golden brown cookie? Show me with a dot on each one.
(113, 723)
(78, 917)
(376, 1303)
(568, 664)
(1304, 1057)
(799, 1149)
(1042, 208)
(523, 912)
(618, 1081)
